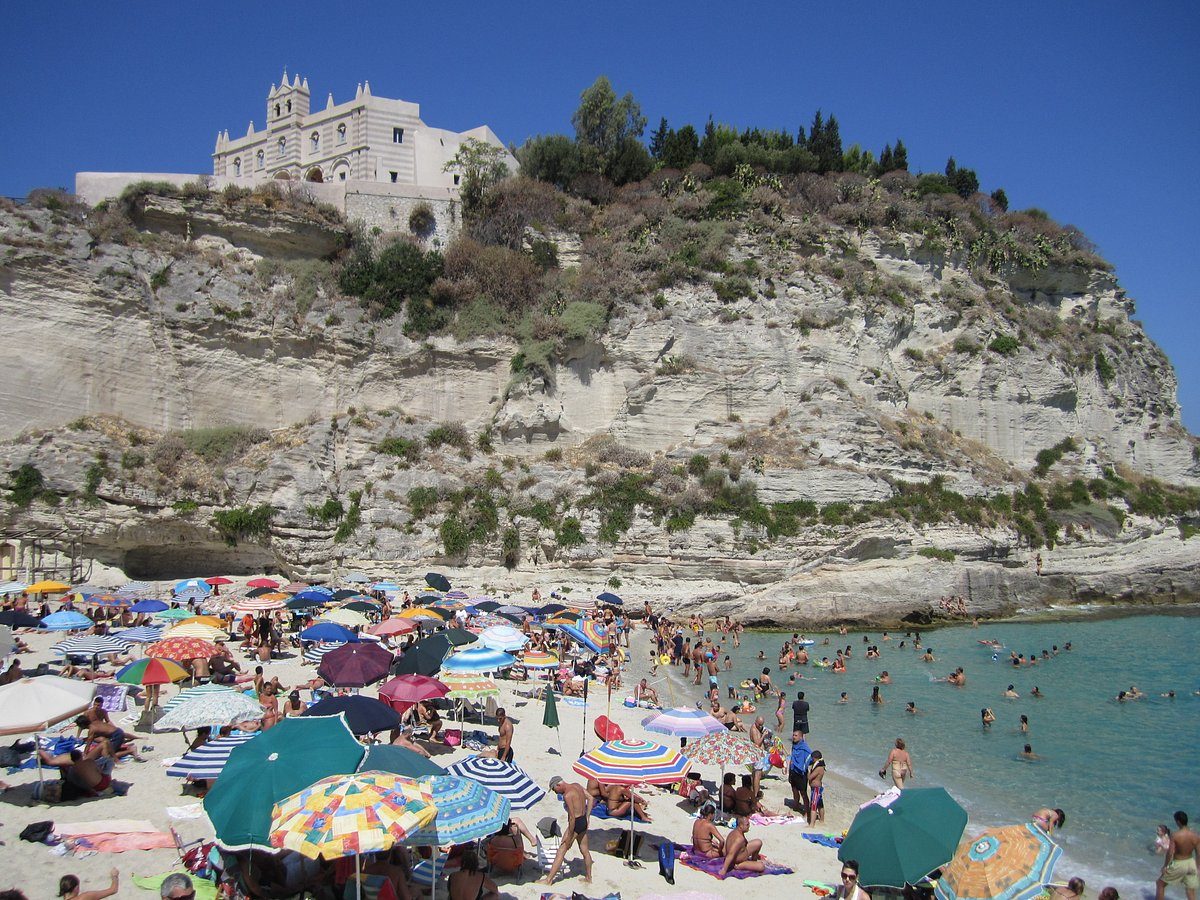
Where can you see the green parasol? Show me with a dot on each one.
(903, 842)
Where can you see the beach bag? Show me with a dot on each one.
(776, 759)
(37, 832)
(666, 862)
(452, 737)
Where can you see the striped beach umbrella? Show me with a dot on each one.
(356, 578)
(197, 630)
(149, 606)
(471, 687)
(386, 587)
(192, 593)
(1009, 863)
(66, 620)
(152, 671)
(181, 648)
(504, 778)
(582, 637)
(477, 660)
(503, 637)
(207, 760)
(683, 721)
(143, 634)
(345, 815)
(317, 652)
(211, 710)
(457, 595)
(540, 659)
(193, 692)
(634, 762)
(265, 603)
(135, 588)
(90, 645)
(582, 605)
(466, 811)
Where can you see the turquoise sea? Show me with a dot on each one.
(1116, 769)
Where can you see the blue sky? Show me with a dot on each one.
(1088, 110)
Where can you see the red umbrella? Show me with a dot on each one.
(217, 580)
(405, 690)
(355, 665)
(393, 626)
(182, 648)
(262, 583)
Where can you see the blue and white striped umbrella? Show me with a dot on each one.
(356, 578)
(478, 660)
(504, 778)
(66, 620)
(193, 584)
(317, 652)
(12, 587)
(134, 587)
(143, 634)
(90, 645)
(466, 811)
(207, 760)
(456, 595)
(388, 587)
(191, 593)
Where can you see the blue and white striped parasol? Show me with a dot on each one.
(143, 634)
(207, 760)
(504, 778)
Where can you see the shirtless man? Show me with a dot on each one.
(706, 839)
(740, 853)
(579, 807)
(816, 788)
(758, 737)
(900, 763)
(1179, 866)
(504, 750)
(619, 797)
(643, 691)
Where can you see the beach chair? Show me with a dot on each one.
(426, 871)
(547, 848)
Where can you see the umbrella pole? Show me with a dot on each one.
(583, 741)
(357, 877)
(632, 807)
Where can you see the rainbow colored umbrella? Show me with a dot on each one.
(466, 811)
(469, 686)
(683, 721)
(152, 671)
(577, 632)
(540, 659)
(1009, 863)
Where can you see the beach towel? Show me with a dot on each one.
(114, 697)
(103, 826)
(577, 896)
(600, 811)
(205, 890)
(825, 840)
(759, 819)
(683, 853)
(119, 843)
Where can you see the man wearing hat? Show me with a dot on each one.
(579, 808)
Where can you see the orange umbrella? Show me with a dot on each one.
(181, 648)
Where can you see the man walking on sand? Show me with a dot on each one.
(1179, 867)
(579, 808)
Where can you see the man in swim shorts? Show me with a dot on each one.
(579, 808)
(1179, 867)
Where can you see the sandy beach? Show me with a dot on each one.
(542, 752)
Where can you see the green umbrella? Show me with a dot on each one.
(902, 843)
(550, 715)
(398, 761)
(423, 658)
(281, 761)
(459, 637)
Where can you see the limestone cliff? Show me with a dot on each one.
(810, 400)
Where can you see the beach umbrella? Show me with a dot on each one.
(582, 605)
(486, 605)
(108, 601)
(143, 634)
(192, 593)
(182, 648)
(269, 583)
(355, 665)
(386, 587)
(301, 605)
(261, 591)
(366, 607)
(550, 609)
(392, 626)
(317, 652)
(149, 606)
(437, 581)
(398, 761)
(539, 659)
(260, 604)
(47, 587)
(725, 749)
(356, 578)
(459, 637)
(14, 618)
(12, 587)
(1009, 863)
(903, 842)
(199, 691)
(477, 660)
(291, 756)
(296, 587)
(196, 630)
(684, 721)
(507, 780)
(90, 645)
(66, 620)
(457, 595)
(7, 643)
(575, 632)
(175, 615)
(207, 760)
(135, 587)
(364, 715)
(34, 704)
(564, 618)
(410, 689)
(610, 598)
(503, 637)
(346, 594)
(152, 671)
(550, 714)
(347, 617)
(321, 594)
(466, 811)
(212, 621)
(214, 709)
(193, 584)
(509, 609)
(470, 687)
(426, 613)
(423, 658)
(218, 581)
(329, 632)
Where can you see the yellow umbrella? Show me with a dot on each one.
(196, 629)
(48, 587)
(347, 617)
(214, 621)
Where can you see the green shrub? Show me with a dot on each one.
(331, 510)
(1046, 459)
(965, 345)
(161, 278)
(25, 486)
(732, 288)
(222, 444)
(408, 450)
(510, 543)
(92, 478)
(680, 520)
(185, 507)
(914, 353)
(351, 520)
(698, 465)
(614, 582)
(242, 522)
(1104, 369)
(131, 459)
(456, 538)
(450, 434)
(1004, 344)
(422, 501)
(569, 533)
(421, 221)
(937, 553)
(554, 454)
(582, 320)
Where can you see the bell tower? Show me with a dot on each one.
(287, 103)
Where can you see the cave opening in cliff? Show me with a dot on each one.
(165, 562)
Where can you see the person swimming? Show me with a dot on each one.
(844, 698)
(988, 717)
(1011, 693)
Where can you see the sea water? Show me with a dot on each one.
(1116, 769)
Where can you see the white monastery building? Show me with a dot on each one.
(368, 138)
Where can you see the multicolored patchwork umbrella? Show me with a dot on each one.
(350, 814)
(1009, 863)
(182, 648)
(634, 762)
(504, 778)
(152, 671)
(466, 811)
(470, 686)
(684, 721)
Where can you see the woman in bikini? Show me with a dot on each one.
(900, 763)
(469, 883)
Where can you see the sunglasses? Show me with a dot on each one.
(848, 876)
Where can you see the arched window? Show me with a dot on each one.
(259, 159)
(341, 133)
(289, 106)
(315, 140)
(277, 110)
(237, 168)
(282, 146)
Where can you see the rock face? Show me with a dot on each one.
(802, 389)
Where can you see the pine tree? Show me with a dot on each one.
(801, 140)
(900, 156)
(659, 138)
(951, 168)
(1000, 199)
(885, 160)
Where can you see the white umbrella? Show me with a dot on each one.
(212, 710)
(503, 637)
(12, 587)
(7, 644)
(34, 704)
